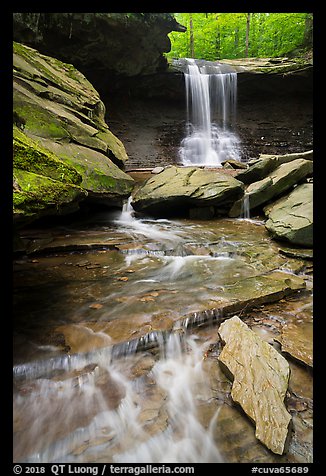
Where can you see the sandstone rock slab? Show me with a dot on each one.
(297, 340)
(261, 377)
(258, 168)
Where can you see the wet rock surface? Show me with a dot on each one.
(165, 287)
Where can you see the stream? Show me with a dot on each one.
(116, 340)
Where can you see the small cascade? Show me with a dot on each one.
(211, 92)
(155, 230)
(245, 208)
(111, 416)
(178, 374)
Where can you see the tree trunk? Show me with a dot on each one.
(236, 38)
(218, 44)
(191, 29)
(308, 31)
(247, 35)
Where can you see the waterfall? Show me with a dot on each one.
(211, 92)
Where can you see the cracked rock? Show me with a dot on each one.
(260, 381)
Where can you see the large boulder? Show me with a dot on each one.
(179, 190)
(43, 184)
(291, 217)
(60, 132)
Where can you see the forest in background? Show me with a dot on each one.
(214, 36)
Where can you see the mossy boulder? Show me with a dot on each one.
(178, 190)
(36, 195)
(60, 133)
(29, 155)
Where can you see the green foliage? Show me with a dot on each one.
(223, 35)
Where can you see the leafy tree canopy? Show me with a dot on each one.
(213, 36)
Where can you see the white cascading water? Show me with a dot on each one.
(92, 430)
(211, 94)
(185, 439)
(245, 212)
(157, 230)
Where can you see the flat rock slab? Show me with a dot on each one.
(180, 188)
(278, 182)
(261, 377)
(140, 318)
(297, 340)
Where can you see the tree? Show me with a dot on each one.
(308, 31)
(213, 36)
(191, 32)
(247, 35)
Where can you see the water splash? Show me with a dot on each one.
(156, 230)
(211, 109)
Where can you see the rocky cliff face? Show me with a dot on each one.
(101, 45)
(274, 111)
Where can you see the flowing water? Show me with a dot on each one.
(115, 347)
(211, 93)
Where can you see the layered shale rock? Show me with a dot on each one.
(261, 377)
(278, 182)
(60, 133)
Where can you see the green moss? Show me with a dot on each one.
(21, 50)
(64, 75)
(37, 193)
(32, 157)
(38, 121)
(101, 178)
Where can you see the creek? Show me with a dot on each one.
(116, 319)
(116, 344)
